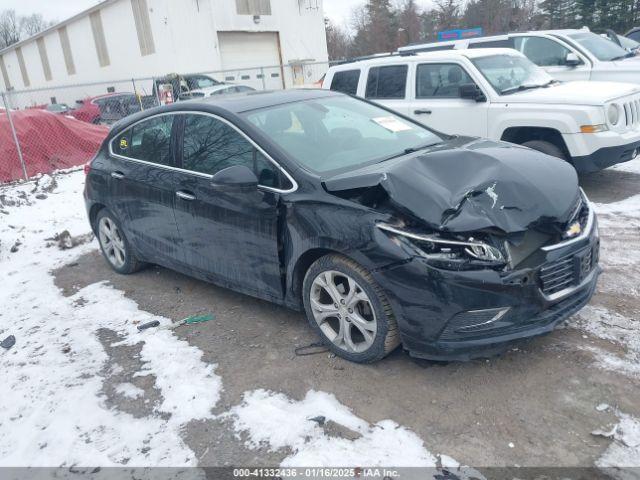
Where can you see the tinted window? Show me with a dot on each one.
(602, 48)
(211, 145)
(346, 82)
(149, 140)
(635, 35)
(505, 43)
(387, 82)
(440, 81)
(542, 51)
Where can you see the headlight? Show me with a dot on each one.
(451, 254)
(613, 114)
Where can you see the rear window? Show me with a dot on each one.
(387, 82)
(346, 82)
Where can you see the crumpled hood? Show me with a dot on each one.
(467, 185)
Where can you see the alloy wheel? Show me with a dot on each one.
(343, 311)
(112, 242)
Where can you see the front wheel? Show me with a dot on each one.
(546, 147)
(349, 310)
(114, 244)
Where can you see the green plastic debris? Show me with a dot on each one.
(197, 319)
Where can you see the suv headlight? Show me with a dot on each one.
(613, 114)
(450, 254)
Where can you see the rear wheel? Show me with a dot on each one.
(349, 310)
(114, 245)
(546, 147)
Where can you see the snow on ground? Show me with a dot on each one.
(274, 420)
(624, 451)
(52, 410)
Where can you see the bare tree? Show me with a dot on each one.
(338, 41)
(409, 23)
(32, 24)
(9, 28)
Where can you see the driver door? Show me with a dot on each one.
(436, 101)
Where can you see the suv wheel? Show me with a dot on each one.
(349, 310)
(114, 245)
(546, 147)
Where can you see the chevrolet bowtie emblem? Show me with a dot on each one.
(574, 229)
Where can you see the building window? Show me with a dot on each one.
(98, 38)
(44, 58)
(253, 7)
(143, 27)
(66, 50)
(5, 74)
(23, 67)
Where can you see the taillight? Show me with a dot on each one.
(87, 167)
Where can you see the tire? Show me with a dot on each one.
(546, 147)
(370, 330)
(115, 247)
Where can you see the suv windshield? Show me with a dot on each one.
(511, 73)
(601, 48)
(335, 133)
(197, 82)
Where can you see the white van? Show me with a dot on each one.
(499, 94)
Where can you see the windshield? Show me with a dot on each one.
(197, 82)
(335, 133)
(628, 43)
(601, 48)
(510, 73)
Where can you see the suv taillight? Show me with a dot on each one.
(87, 167)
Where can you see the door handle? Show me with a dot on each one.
(117, 175)
(422, 112)
(185, 195)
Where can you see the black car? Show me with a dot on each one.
(383, 231)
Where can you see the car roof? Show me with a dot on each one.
(434, 55)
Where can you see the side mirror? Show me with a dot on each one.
(236, 177)
(471, 91)
(572, 60)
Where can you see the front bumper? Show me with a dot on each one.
(604, 156)
(440, 312)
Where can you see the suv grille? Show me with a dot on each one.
(568, 271)
(632, 112)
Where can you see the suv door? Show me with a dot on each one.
(387, 85)
(230, 236)
(438, 105)
(142, 188)
(551, 55)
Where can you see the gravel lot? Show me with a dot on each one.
(533, 406)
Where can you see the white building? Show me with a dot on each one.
(118, 40)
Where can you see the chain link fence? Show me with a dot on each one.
(52, 128)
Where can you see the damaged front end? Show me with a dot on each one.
(500, 243)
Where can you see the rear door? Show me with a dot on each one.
(143, 182)
(436, 101)
(388, 85)
(551, 55)
(230, 237)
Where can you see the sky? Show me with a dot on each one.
(339, 11)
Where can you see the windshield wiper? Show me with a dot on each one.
(409, 150)
(521, 88)
(622, 57)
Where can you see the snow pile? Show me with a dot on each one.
(52, 411)
(615, 327)
(624, 451)
(277, 422)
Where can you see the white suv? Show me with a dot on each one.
(564, 54)
(499, 94)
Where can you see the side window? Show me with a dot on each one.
(440, 80)
(387, 82)
(542, 51)
(149, 140)
(346, 82)
(211, 145)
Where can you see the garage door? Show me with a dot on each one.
(242, 53)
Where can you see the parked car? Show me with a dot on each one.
(223, 89)
(60, 108)
(624, 42)
(633, 34)
(182, 85)
(381, 230)
(564, 54)
(499, 94)
(106, 108)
